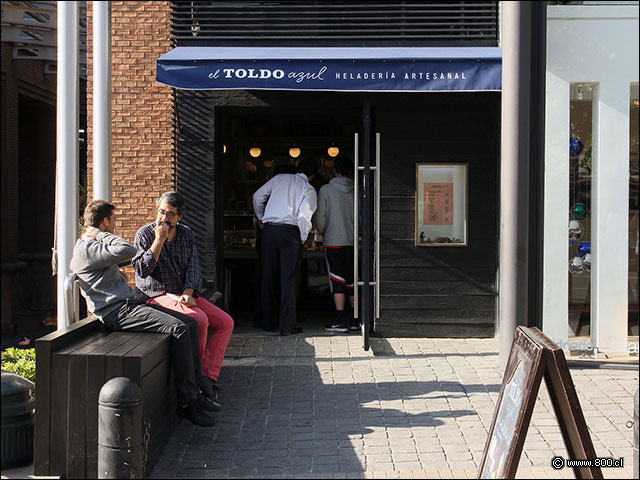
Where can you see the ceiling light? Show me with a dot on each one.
(294, 152)
(333, 151)
(255, 152)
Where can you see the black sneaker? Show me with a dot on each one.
(355, 327)
(195, 415)
(337, 327)
(209, 387)
(209, 404)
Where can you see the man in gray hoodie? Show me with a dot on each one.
(95, 260)
(334, 220)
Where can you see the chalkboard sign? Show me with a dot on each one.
(534, 356)
(514, 408)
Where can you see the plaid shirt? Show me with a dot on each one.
(177, 267)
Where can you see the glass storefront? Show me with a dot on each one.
(590, 292)
(634, 228)
(580, 211)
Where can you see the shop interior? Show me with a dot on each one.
(258, 145)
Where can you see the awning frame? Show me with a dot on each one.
(356, 69)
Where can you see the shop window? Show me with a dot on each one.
(634, 233)
(580, 208)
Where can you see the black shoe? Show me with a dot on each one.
(355, 327)
(209, 387)
(195, 415)
(337, 327)
(291, 332)
(209, 404)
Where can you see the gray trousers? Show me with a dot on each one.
(136, 316)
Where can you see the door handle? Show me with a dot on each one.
(355, 226)
(377, 244)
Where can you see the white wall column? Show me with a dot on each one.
(102, 101)
(610, 221)
(67, 168)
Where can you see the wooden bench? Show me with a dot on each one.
(72, 365)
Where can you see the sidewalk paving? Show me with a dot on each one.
(319, 406)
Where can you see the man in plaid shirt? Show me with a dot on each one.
(168, 272)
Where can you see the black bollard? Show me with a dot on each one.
(120, 450)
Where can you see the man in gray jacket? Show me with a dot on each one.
(95, 260)
(334, 220)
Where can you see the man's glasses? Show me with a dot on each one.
(169, 215)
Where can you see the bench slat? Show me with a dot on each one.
(42, 424)
(62, 399)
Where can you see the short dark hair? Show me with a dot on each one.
(342, 165)
(284, 168)
(96, 211)
(308, 166)
(174, 199)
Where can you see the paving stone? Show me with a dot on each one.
(404, 457)
(190, 473)
(268, 471)
(325, 468)
(215, 473)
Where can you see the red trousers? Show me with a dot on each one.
(207, 315)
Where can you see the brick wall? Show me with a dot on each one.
(142, 118)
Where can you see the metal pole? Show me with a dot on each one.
(514, 169)
(102, 100)
(67, 122)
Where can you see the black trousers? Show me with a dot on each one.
(137, 316)
(281, 260)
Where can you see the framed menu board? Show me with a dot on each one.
(441, 205)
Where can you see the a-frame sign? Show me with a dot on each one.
(534, 356)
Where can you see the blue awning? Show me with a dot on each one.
(332, 68)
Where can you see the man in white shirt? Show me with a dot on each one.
(284, 206)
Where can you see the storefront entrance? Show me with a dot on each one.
(260, 142)
(405, 288)
(396, 112)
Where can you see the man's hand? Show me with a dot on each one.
(90, 233)
(162, 231)
(260, 224)
(124, 274)
(188, 300)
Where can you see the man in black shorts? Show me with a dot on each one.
(334, 220)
